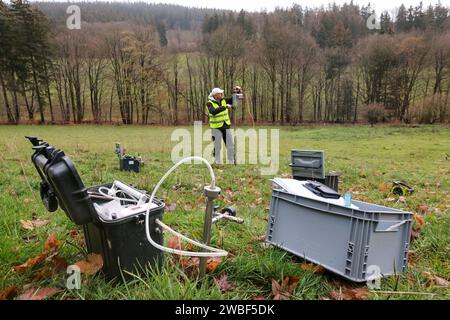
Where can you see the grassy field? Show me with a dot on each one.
(368, 158)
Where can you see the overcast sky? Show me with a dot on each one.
(257, 5)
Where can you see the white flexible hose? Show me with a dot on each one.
(191, 253)
(214, 251)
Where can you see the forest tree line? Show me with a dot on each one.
(147, 64)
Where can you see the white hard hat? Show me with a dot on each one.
(215, 91)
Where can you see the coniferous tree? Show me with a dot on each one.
(32, 50)
(419, 18)
(401, 22)
(161, 28)
(386, 24)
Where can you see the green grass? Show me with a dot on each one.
(367, 156)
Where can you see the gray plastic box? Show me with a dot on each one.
(343, 240)
(308, 164)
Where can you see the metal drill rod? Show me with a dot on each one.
(220, 216)
(211, 195)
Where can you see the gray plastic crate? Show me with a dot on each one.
(308, 164)
(343, 240)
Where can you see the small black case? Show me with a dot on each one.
(130, 163)
(321, 190)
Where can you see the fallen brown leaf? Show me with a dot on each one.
(336, 295)
(175, 243)
(59, 263)
(9, 293)
(184, 262)
(51, 242)
(38, 294)
(419, 220)
(194, 262)
(291, 282)
(212, 264)
(414, 234)
(282, 291)
(265, 245)
(278, 292)
(349, 294)
(260, 238)
(320, 270)
(307, 266)
(223, 283)
(411, 257)
(30, 263)
(32, 224)
(229, 192)
(42, 274)
(423, 209)
(170, 207)
(81, 242)
(51, 255)
(438, 280)
(384, 187)
(74, 233)
(188, 262)
(360, 293)
(258, 298)
(441, 281)
(312, 267)
(92, 264)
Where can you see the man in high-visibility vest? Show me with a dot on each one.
(219, 122)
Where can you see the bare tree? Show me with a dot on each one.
(305, 65)
(412, 51)
(440, 60)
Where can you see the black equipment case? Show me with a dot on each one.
(122, 242)
(130, 163)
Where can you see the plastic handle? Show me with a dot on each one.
(314, 164)
(35, 141)
(389, 226)
(39, 147)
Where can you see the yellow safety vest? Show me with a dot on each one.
(216, 121)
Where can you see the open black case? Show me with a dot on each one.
(122, 242)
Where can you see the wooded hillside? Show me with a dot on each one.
(148, 63)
